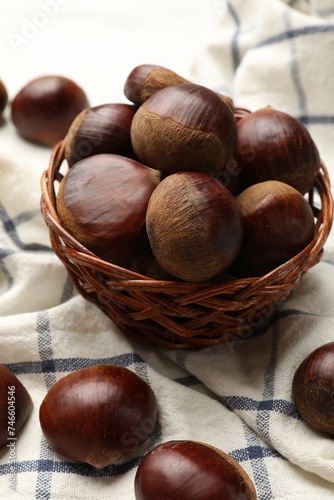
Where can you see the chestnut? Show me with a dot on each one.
(146, 264)
(100, 129)
(45, 107)
(190, 470)
(15, 406)
(273, 145)
(193, 226)
(3, 97)
(184, 127)
(277, 223)
(229, 176)
(146, 79)
(98, 415)
(102, 202)
(313, 389)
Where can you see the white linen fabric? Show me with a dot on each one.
(235, 397)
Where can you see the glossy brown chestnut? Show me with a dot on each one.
(98, 414)
(146, 79)
(100, 129)
(313, 389)
(193, 226)
(45, 107)
(229, 176)
(185, 127)
(189, 470)
(15, 405)
(147, 265)
(277, 222)
(102, 202)
(273, 145)
(3, 97)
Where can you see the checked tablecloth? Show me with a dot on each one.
(235, 397)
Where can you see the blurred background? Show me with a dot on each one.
(96, 44)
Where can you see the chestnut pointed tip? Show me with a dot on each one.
(101, 461)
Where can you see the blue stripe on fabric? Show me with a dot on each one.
(188, 381)
(5, 252)
(249, 453)
(263, 415)
(243, 403)
(10, 228)
(181, 358)
(294, 33)
(23, 217)
(256, 455)
(44, 478)
(50, 466)
(316, 119)
(234, 45)
(294, 67)
(62, 365)
(45, 348)
(253, 452)
(7, 275)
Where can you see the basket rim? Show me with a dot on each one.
(134, 279)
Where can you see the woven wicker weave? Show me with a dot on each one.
(173, 314)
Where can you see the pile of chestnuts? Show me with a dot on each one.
(177, 184)
(183, 186)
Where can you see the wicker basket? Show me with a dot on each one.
(173, 314)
